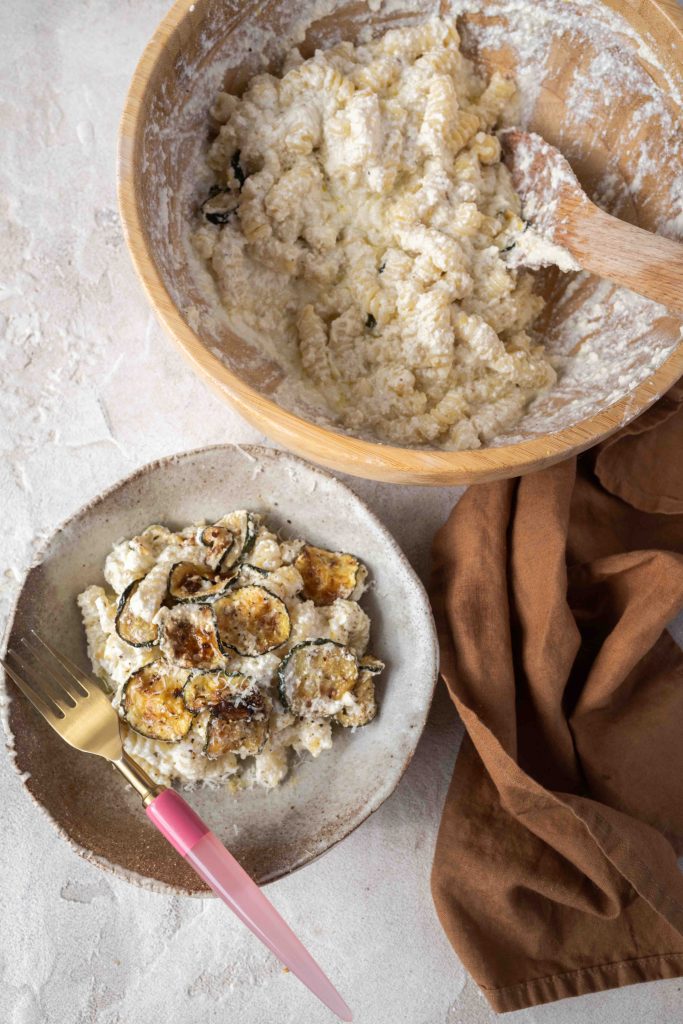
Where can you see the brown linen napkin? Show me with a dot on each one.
(555, 868)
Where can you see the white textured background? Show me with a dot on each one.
(91, 389)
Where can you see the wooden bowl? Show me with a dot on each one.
(203, 45)
(271, 832)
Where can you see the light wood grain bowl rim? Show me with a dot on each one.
(325, 446)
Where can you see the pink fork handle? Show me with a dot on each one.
(186, 831)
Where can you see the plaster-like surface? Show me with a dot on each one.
(90, 389)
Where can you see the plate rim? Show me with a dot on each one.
(8, 694)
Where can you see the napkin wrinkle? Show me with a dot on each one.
(623, 463)
(590, 886)
(555, 867)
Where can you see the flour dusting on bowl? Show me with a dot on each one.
(364, 192)
(604, 90)
(598, 347)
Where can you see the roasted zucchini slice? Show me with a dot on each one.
(134, 630)
(364, 706)
(233, 732)
(314, 677)
(209, 689)
(190, 582)
(189, 637)
(152, 702)
(370, 664)
(219, 540)
(237, 168)
(328, 575)
(220, 205)
(251, 620)
(243, 526)
(239, 726)
(253, 574)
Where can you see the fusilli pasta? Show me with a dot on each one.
(371, 219)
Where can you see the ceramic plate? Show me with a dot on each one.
(270, 832)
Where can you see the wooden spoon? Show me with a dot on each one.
(557, 208)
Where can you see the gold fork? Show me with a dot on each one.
(58, 695)
(77, 708)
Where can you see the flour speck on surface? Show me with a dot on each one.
(76, 324)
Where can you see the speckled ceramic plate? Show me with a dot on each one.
(274, 832)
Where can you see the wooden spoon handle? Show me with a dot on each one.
(648, 264)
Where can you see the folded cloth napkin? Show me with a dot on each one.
(555, 869)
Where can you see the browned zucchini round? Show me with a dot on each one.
(220, 205)
(244, 527)
(328, 575)
(190, 582)
(252, 621)
(219, 540)
(314, 677)
(239, 726)
(368, 663)
(364, 708)
(253, 574)
(189, 637)
(134, 630)
(209, 689)
(152, 703)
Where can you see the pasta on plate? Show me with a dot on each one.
(225, 648)
(362, 194)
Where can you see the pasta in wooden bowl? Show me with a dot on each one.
(456, 376)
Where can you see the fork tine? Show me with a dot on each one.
(39, 703)
(48, 661)
(41, 680)
(84, 685)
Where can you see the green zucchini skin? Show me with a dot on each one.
(200, 631)
(247, 567)
(244, 526)
(201, 643)
(152, 704)
(219, 540)
(329, 575)
(365, 706)
(217, 584)
(220, 205)
(368, 663)
(301, 707)
(237, 168)
(122, 627)
(253, 641)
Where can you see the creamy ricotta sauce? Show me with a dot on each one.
(363, 193)
(149, 557)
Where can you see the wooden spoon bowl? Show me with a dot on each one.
(555, 205)
(203, 45)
